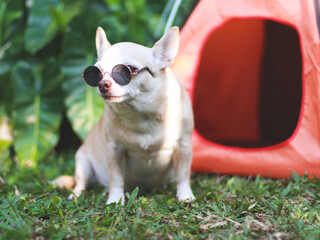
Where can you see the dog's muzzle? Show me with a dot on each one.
(104, 86)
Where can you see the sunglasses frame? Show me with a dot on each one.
(103, 73)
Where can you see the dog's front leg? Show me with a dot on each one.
(182, 158)
(115, 157)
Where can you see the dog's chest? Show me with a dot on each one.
(149, 147)
(142, 133)
(147, 169)
(142, 160)
(149, 151)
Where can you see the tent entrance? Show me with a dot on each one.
(248, 86)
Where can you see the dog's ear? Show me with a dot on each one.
(166, 49)
(102, 42)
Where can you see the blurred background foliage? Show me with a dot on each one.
(45, 45)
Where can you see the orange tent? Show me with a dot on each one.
(252, 71)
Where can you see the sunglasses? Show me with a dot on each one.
(120, 73)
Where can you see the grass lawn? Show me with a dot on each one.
(227, 207)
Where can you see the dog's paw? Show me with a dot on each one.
(115, 198)
(67, 182)
(76, 192)
(188, 197)
(184, 194)
(70, 197)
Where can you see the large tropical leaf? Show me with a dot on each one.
(84, 106)
(11, 34)
(10, 13)
(40, 25)
(65, 12)
(38, 110)
(137, 24)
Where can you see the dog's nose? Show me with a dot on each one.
(104, 85)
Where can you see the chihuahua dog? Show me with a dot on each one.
(144, 135)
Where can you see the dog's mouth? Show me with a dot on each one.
(114, 98)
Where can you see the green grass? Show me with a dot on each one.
(227, 207)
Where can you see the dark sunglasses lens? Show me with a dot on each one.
(92, 75)
(121, 74)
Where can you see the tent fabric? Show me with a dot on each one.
(252, 71)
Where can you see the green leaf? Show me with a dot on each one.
(137, 16)
(286, 190)
(84, 105)
(297, 178)
(40, 25)
(10, 12)
(132, 197)
(11, 33)
(38, 110)
(65, 12)
(54, 202)
(215, 208)
(257, 181)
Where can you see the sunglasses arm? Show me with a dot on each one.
(145, 68)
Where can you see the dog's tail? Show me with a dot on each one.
(64, 181)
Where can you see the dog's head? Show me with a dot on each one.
(129, 70)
